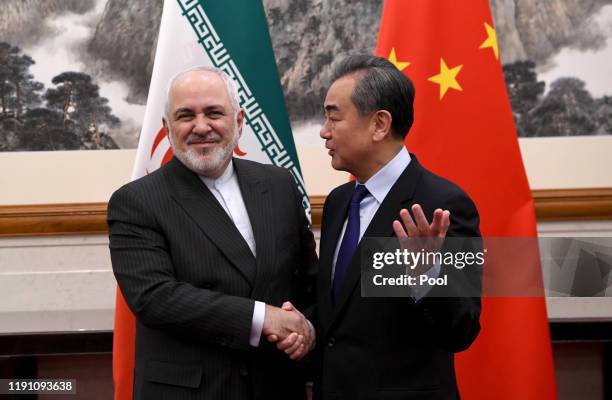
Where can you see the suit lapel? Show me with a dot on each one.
(256, 196)
(204, 209)
(330, 230)
(381, 225)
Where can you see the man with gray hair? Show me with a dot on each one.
(212, 254)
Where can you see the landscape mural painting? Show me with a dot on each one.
(557, 61)
(74, 74)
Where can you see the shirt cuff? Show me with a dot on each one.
(259, 315)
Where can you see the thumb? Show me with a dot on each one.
(287, 306)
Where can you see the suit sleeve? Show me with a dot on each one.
(454, 319)
(307, 272)
(144, 271)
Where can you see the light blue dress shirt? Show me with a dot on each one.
(379, 186)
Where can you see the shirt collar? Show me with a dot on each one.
(221, 180)
(381, 182)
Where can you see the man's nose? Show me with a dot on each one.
(201, 124)
(325, 133)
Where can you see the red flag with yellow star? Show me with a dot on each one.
(464, 131)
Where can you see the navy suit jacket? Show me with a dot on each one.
(391, 348)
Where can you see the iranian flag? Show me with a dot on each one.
(464, 131)
(236, 40)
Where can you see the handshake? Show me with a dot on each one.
(289, 329)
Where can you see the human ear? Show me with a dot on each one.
(381, 123)
(240, 119)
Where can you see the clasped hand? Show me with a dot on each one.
(289, 329)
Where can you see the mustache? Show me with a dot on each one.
(206, 138)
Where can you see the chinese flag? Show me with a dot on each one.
(464, 131)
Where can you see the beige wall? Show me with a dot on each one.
(63, 176)
(568, 162)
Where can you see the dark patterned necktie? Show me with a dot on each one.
(349, 241)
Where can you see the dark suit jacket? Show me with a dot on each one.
(191, 280)
(392, 348)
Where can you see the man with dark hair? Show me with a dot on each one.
(383, 87)
(384, 348)
(206, 249)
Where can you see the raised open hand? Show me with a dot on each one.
(418, 234)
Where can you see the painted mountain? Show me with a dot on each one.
(74, 74)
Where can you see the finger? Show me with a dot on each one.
(421, 220)
(299, 342)
(272, 338)
(445, 223)
(287, 342)
(298, 354)
(399, 230)
(287, 306)
(299, 339)
(436, 223)
(408, 222)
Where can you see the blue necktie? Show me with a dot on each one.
(349, 241)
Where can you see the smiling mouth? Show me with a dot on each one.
(208, 140)
(202, 143)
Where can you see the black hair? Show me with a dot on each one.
(380, 86)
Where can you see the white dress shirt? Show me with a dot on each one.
(227, 192)
(378, 187)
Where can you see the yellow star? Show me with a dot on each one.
(398, 64)
(447, 78)
(491, 41)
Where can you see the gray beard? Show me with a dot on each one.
(205, 161)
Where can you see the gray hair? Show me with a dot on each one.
(232, 89)
(380, 86)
